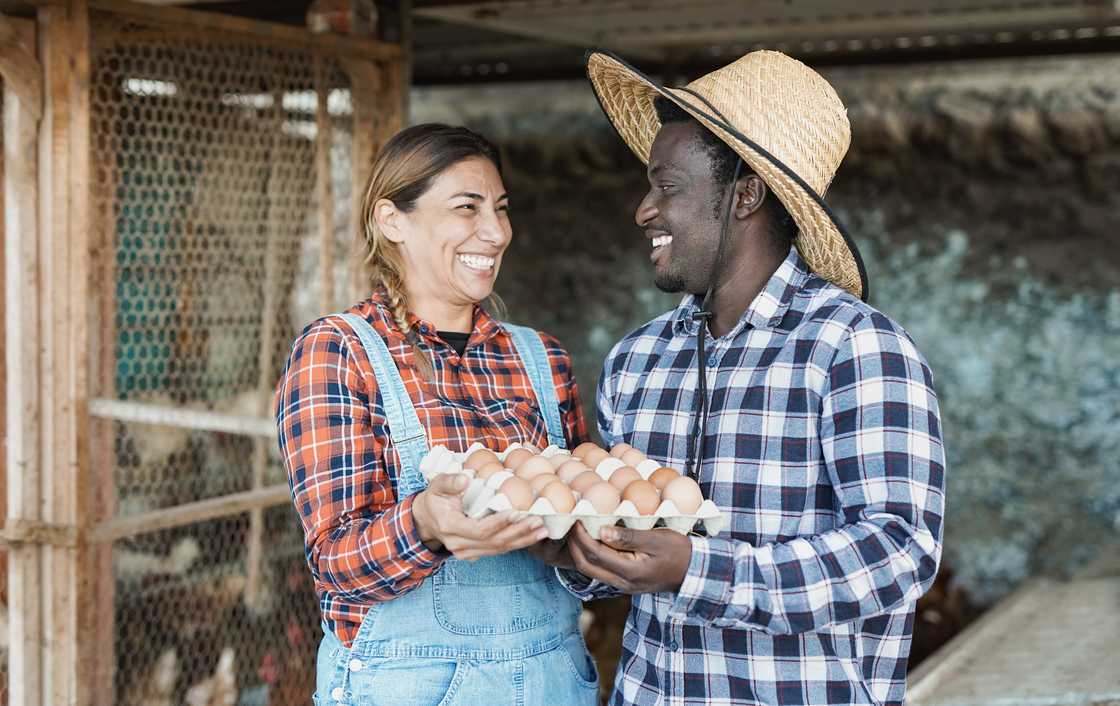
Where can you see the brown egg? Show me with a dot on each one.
(633, 457)
(519, 493)
(489, 470)
(559, 460)
(559, 496)
(583, 449)
(594, 457)
(540, 481)
(518, 457)
(618, 449)
(623, 477)
(684, 493)
(604, 496)
(584, 481)
(480, 458)
(644, 495)
(533, 467)
(662, 476)
(570, 470)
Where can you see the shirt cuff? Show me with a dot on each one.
(583, 587)
(413, 549)
(708, 584)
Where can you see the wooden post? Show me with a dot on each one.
(323, 185)
(67, 657)
(21, 73)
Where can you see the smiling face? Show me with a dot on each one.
(453, 240)
(679, 213)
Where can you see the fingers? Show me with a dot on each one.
(594, 559)
(451, 484)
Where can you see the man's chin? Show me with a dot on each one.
(668, 283)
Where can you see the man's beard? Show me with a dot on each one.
(669, 282)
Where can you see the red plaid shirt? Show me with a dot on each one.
(362, 544)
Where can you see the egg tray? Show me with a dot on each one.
(481, 498)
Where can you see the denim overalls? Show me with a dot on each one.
(499, 630)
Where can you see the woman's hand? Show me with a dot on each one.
(438, 513)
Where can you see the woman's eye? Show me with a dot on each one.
(467, 207)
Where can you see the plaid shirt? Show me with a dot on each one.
(824, 449)
(362, 544)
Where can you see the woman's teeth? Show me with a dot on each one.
(477, 262)
(661, 240)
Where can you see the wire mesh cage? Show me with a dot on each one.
(222, 190)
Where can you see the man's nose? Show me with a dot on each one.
(645, 212)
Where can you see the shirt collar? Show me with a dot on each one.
(485, 325)
(765, 311)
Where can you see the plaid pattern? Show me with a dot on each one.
(824, 448)
(362, 545)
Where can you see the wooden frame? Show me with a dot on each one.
(59, 400)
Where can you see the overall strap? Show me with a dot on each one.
(407, 435)
(531, 350)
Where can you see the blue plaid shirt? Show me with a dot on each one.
(824, 449)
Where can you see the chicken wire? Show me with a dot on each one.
(206, 196)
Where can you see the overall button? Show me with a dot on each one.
(356, 665)
(337, 693)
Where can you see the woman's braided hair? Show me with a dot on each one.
(402, 172)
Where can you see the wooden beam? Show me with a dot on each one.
(19, 68)
(21, 370)
(323, 140)
(265, 31)
(191, 513)
(69, 620)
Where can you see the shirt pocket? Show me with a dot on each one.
(495, 595)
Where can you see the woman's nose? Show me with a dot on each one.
(492, 230)
(645, 211)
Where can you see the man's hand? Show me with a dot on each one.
(438, 513)
(553, 552)
(633, 561)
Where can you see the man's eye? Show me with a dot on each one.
(664, 187)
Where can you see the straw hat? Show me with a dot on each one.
(780, 116)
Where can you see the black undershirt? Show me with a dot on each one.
(456, 340)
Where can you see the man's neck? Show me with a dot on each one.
(742, 279)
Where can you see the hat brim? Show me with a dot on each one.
(626, 95)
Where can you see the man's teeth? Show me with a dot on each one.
(477, 262)
(661, 240)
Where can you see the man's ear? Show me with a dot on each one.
(750, 193)
(389, 220)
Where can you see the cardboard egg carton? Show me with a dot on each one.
(482, 497)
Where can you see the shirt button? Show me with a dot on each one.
(356, 665)
(337, 693)
(712, 360)
(673, 646)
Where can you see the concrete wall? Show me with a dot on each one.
(984, 196)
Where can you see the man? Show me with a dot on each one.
(806, 415)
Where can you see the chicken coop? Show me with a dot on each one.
(181, 190)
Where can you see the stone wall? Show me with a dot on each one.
(984, 196)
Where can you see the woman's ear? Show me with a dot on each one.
(389, 220)
(750, 193)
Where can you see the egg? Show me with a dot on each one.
(480, 458)
(684, 493)
(489, 469)
(518, 492)
(584, 481)
(594, 457)
(518, 457)
(583, 449)
(633, 457)
(559, 460)
(604, 496)
(533, 467)
(644, 495)
(662, 476)
(620, 448)
(540, 481)
(623, 477)
(559, 496)
(570, 470)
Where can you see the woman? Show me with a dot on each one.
(409, 617)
